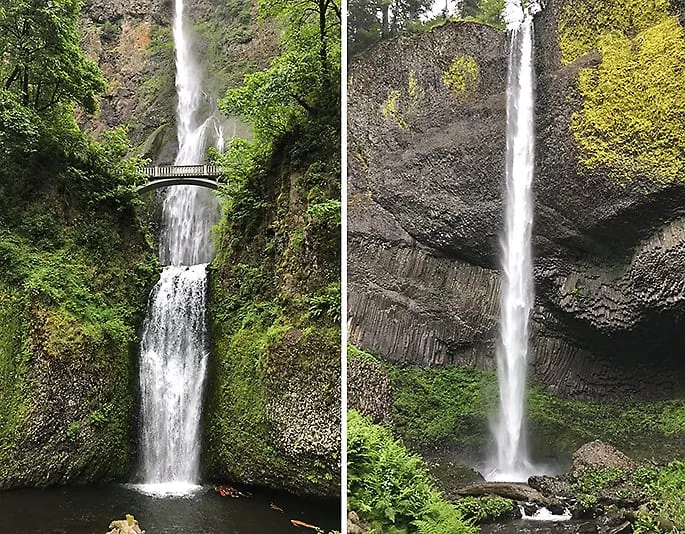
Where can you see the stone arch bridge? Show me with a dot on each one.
(167, 175)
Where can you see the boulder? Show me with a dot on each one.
(600, 455)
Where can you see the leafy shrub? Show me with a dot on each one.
(480, 508)
(391, 487)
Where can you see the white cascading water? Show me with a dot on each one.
(511, 462)
(174, 347)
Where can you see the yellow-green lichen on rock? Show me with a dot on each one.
(463, 76)
(582, 23)
(632, 123)
(390, 111)
(413, 86)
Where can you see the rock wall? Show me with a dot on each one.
(272, 416)
(426, 166)
(132, 43)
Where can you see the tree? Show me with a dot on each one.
(368, 21)
(41, 59)
(301, 83)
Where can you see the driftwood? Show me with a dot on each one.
(125, 526)
(508, 490)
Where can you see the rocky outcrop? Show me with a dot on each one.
(132, 43)
(426, 164)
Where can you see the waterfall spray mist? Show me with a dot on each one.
(511, 461)
(174, 346)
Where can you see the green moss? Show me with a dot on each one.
(452, 405)
(631, 124)
(436, 404)
(390, 111)
(462, 77)
(275, 308)
(67, 346)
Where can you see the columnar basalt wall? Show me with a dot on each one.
(426, 164)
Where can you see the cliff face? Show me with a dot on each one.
(426, 164)
(132, 43)
(273, 409)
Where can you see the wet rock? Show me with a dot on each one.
(354, 524)
(451, 476)
(368, 389)
(540, 527)
(551, 486)
(509, 490)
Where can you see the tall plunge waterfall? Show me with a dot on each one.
(174, 346)
(512, 462)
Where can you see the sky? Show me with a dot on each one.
(439, 5)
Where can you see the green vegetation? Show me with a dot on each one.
(274, 411)
(630, 126)
(77, 266)
(42, 60)
(479, 509)
(369, 21)
(223, 35)
(391, 487)
(462, 76)
(432, 405)
(666, 508)
(451, 405)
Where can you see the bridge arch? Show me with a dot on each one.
(169, 175)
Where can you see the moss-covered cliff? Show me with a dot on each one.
(76, 271)
(274, 388)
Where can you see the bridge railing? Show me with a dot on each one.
(175, 171)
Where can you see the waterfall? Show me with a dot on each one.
(511, 462)
(174, 346)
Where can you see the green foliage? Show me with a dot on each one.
(665, 487)
(489, 12)
(326, 303)
(302, 82)
(42, 60)
(478, 509)
(391, 487)
(453, 405)
(592, 481)
(672, 420)
(369, 21)
(434, 404)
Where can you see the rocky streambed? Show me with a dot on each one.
(603, 492)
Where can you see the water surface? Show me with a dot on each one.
(89, 510)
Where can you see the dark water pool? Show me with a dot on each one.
(89, 510)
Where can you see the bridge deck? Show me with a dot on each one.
(173, 171)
